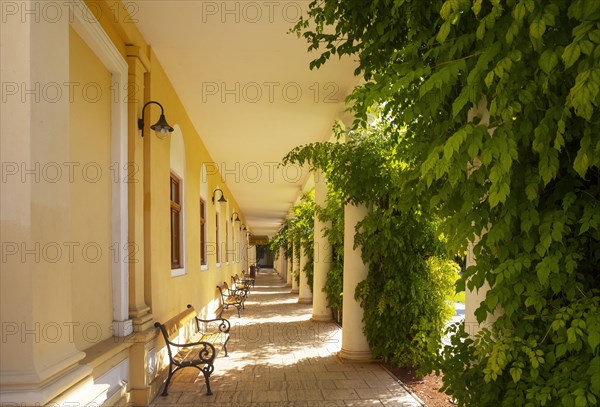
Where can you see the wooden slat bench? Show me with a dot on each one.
(241, 287)
(230, 298)
(202, 347)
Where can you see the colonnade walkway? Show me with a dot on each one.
(279, 357)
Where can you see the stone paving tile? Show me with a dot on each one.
(279, 358)
(341, 394)
(360, 374)
(172, 398)
(377, 393)
(364, 403)
(350, 384)
(303, 395)
(330, 375)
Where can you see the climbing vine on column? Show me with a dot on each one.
(333, 213)
(404, 297)
(298, 232)
(499, 101)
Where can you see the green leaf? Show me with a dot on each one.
(581, 163)
(581, 401)
(476, 7)
(515, 372)
(530, 4)
(543, 272)
(511, 33)
(571, 54)
(519, 12)
(444, 31)
(548, 60)
(460, 101)
(586, 47)
(489, 79)
(594, 340)
(537, 29)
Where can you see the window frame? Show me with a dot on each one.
(226, 241)
(217, 240)
(176, 207)
(203, 242)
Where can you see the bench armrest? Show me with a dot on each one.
(224, 324)
(206, 354)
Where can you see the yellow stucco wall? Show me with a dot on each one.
(168, 295)
(90, 197)
(45, 294)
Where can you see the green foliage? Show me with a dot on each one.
(405, 294)
(499, 103)
(333, 213)
(282, 240)
(297, 234)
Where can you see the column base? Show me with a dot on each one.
(294, 291)
(143, 323)
(305, 300)
(355, 356)
(139, 312)
(123, 328)
(321, 318)
(63, 384)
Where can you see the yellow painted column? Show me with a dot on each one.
(238, 256)
(283, 264)
(322, 255)
(304, 293)
(238, 250)
(290, 269)
(253, 254)
(39, 358)
(139, 311)
(296, 263)
(246, 253)
(354, 342)
(473, 298)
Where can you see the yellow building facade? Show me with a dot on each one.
(87, 209)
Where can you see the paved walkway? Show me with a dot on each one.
(279, 358)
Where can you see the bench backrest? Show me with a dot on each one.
(172, 327)
(224, 289)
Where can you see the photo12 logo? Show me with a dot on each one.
(69, 252)
(48, 11)
(52, 172)
(270, 92)
(251, 12)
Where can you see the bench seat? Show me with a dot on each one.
(200, 349)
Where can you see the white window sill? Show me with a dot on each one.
(204, 267)
(218, 265)
(178, 272)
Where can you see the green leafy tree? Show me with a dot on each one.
(297, 234)
(499, 102)
(333, 213)
(404, 297)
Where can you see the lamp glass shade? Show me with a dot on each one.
(161, 127)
